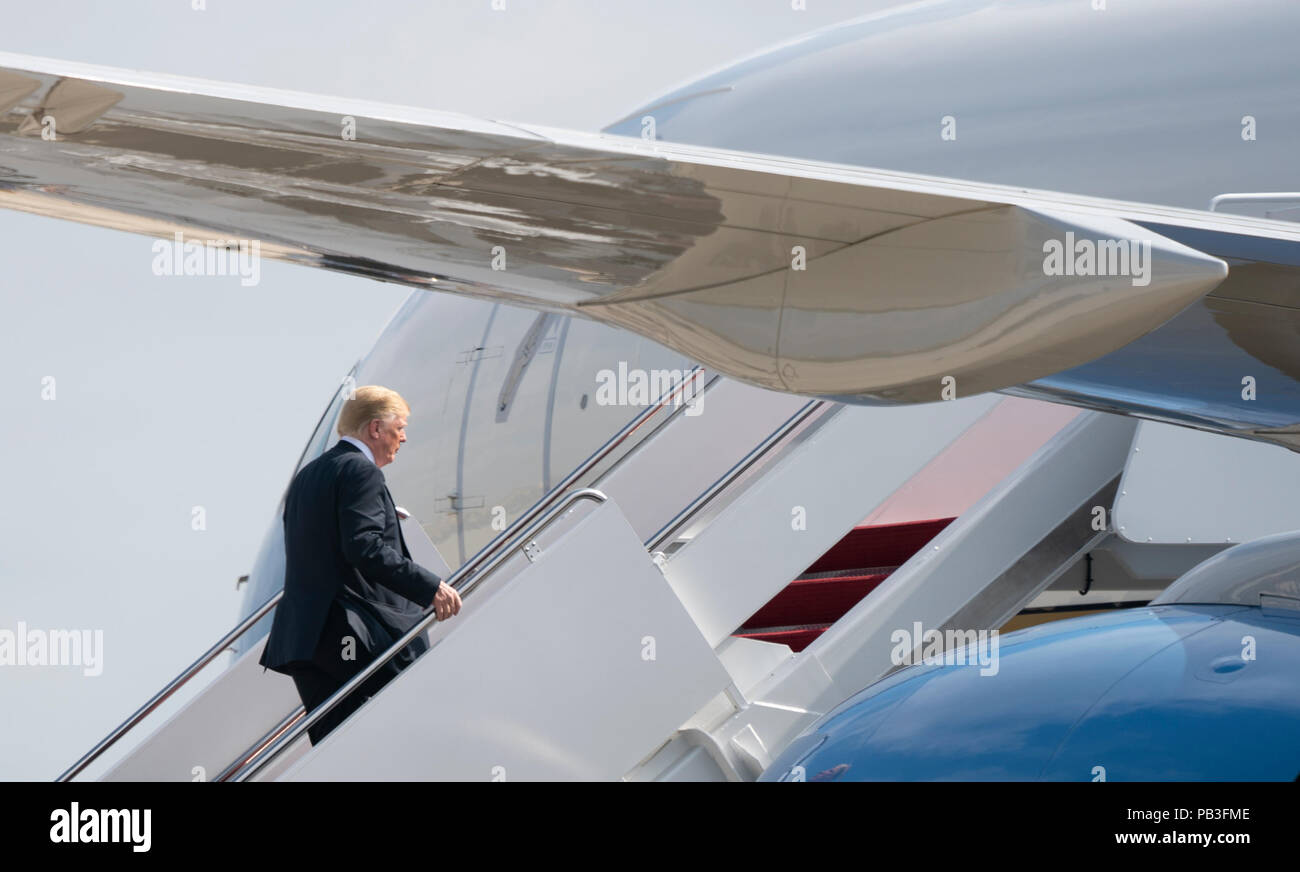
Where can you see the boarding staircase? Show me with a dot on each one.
(824, 593)
(640, 622)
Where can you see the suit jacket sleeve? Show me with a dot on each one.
(361, 535)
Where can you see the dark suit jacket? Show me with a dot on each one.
(343, 543)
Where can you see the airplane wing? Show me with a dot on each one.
(819, 279)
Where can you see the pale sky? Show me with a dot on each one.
(175, 392)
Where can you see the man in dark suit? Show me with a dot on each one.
(350, 587)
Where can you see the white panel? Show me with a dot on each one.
(954, 569)
(694, 450)
(239, 707)
(958, 565)
(1182, 485)
(545, 679)
(750, 660)
(422, 549)
(968, 468)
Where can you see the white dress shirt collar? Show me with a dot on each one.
(365, 449)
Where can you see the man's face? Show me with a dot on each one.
(392, 433)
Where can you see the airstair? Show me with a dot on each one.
(679, 607)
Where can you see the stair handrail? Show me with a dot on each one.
(669, 398)
(172, 686)
(593, 461)
(774, 439)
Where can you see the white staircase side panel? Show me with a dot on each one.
(802, 506)
(693, 450)
(971, 466)
(577, 667)
(1185, 486)
(749, 661)
(974, 550)
(952, 571)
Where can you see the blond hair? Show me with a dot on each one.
(367, 403)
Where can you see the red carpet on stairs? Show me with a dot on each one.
(885, 545)
(815, 600)
(846, 573)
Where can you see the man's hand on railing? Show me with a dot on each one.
(446, 602)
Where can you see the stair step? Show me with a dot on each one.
(840, 578)
(845, 573)
(880, 545)
(814, 600)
